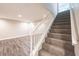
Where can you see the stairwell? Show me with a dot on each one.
(58, 41)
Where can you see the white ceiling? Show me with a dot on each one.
(22, 11)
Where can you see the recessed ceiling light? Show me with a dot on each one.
(20, 15)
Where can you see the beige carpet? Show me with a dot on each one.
(58, 41)
(15, 47)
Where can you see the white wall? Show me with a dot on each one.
(9, 28)
(52, 7)
(76, 12)
(63, 7)
(75, 8)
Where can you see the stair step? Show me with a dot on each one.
(44, 53)
(61, 23)
(61, 27)
(62, 20)
(64, 13)
(56, 50)
(63, 17)
(66, 37)
(68, 15)
(58, 21)
(60, 43)
(61, 31)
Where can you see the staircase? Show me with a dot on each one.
(58, 41)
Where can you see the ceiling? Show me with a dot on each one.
(22, 11)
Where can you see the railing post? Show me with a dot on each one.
(30, 35)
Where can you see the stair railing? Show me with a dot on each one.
(38, 34)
